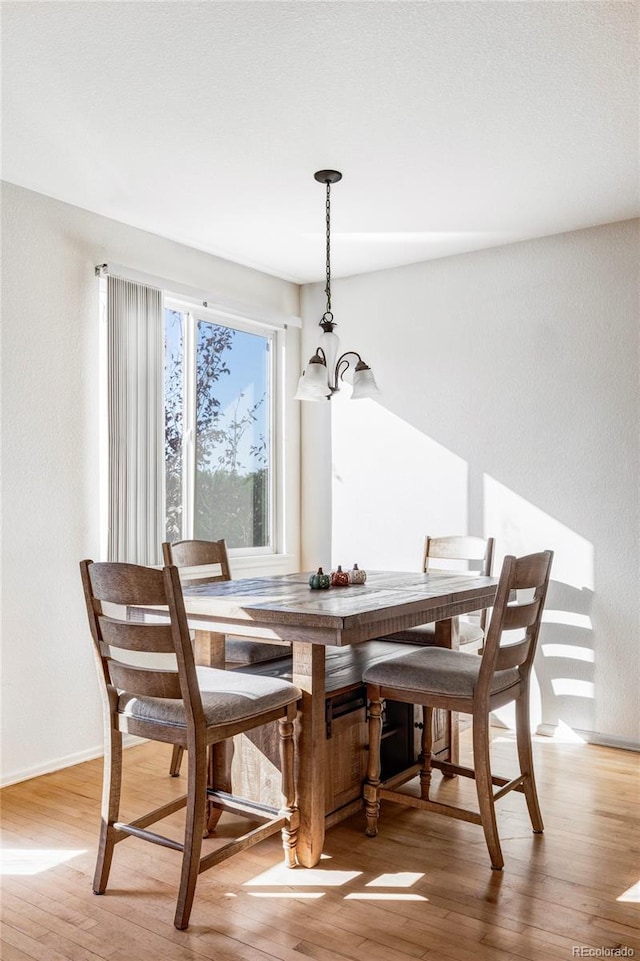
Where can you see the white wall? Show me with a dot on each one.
(509, 407)
(50, 484)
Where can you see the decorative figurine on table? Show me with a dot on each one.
(340, 578)
(356, 576)
(319, 581)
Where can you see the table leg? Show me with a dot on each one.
(448, 635)
(308, 675)
(208, 649)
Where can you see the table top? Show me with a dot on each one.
(287, 600)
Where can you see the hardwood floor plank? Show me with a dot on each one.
(32, 947)
(9, 953)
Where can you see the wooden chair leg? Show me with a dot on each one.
(176, 760)
(111, 786)
(194, 826)
(289, 809)
(372, 783)
(219, 767)
(425, 754)
(525, 757)
(484, 787)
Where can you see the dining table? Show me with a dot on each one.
(284, 608)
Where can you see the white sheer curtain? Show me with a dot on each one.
(135, 373)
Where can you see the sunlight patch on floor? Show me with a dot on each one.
(289, 881)
(287, 894)
(281, 874)
(34, 860)
(631, 894)
(379, 896)
(564, 734)
(403, 879)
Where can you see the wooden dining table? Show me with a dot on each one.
(284, 608)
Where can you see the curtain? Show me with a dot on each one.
(135, 373)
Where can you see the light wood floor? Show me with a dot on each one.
(422, 889)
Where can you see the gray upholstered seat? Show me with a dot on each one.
(241, 650)
(438, 671)
(425, 634)
(226, 697)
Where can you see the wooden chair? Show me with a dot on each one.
(457, 681)
(194, 708)
(476, 551)
(207, 562)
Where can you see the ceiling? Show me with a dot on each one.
(456, 125)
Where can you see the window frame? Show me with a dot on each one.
(194, 312)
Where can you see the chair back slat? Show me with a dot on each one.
(132, 636)
(513, 655)
(127, 584)
(207, 574)
(458, 548)
(530, 573)
(518, 616)
(144, 681)
(195, 553)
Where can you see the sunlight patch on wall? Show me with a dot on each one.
(567, 650)
(570, 618)
(521, 528)
(572, 687)
(391, 486)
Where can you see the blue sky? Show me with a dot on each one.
(248, 362)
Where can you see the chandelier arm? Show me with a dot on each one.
(342, 366)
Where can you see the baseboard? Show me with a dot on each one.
(128, 740)
(593, 737)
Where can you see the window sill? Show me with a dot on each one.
(259, 565)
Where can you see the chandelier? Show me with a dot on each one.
(323, 374)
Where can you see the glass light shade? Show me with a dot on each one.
(364, 384)
(313, 384)
(304, 392)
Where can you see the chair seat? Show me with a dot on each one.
(436, 670)
(425, 634)
(226, 697)
(239, 650)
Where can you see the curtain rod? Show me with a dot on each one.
(223, 305)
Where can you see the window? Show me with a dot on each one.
(200, 433)
(219, 404)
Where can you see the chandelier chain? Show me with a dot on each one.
(327, 289)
